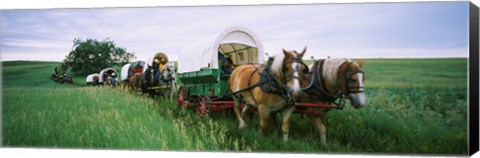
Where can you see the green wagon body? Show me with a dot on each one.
(204, 81)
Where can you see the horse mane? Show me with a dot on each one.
(330, 69)
(277, 64)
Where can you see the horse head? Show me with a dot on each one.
(150, 74)
(290, 68)
(351, 81)
(169, 72)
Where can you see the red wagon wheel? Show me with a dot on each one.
(182, 100)
(205, 105)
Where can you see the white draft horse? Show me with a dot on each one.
(284, 75)
(333, 79)
(168, 79)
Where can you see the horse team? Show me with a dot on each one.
(286, 80)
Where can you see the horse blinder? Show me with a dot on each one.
(350, 79)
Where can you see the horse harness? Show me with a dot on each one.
(269, 83)
(317, 87)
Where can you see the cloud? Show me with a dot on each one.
(363, 30)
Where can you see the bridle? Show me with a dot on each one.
(348, 73)
(290, 77)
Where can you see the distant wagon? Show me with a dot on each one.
(92, 79)
(108, 76)
(129, 70)
(162, 74)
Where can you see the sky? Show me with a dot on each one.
(362, 30)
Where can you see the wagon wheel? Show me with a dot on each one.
(183, 100)
(205, 105)
(181, 97)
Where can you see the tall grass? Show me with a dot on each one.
(413, 106)
(97, 117)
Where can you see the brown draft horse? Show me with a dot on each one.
(134, 80)
(245, 84)
(333, 79)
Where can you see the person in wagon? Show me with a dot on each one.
(228, 66)
(221, 58)
(156, 68)
(131, 72)
(105, 76)
(113, 79)
(138, 69)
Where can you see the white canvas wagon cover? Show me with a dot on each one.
(89, 78)
(124, 72)
(239, 43)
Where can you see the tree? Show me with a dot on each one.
(90, 56)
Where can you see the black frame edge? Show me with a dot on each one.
(473, 107)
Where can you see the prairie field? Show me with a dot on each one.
(414, 106)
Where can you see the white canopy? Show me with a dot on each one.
(124, 72)
(90, 77)
(239, 43)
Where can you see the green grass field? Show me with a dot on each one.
(414, 106)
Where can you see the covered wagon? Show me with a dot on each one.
(106, 75)
(131, 69)
(201, 73)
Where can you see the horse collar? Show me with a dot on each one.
(317, 85)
